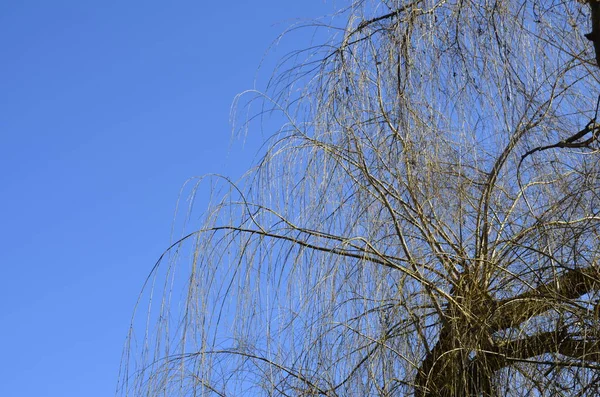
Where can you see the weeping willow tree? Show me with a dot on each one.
(424, 222)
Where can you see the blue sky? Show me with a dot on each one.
(106, 109)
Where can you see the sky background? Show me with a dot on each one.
(106, 109)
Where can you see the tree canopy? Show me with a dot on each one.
(425, 222)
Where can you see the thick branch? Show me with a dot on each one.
(594, 35)
(570, 285)
(545, 343)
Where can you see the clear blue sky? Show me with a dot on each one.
(106, 108)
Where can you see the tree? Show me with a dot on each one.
(425, 222)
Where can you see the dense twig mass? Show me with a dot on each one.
(408, 231)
